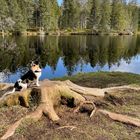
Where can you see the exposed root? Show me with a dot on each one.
(36, 115)
(121, 118)
(93, 111)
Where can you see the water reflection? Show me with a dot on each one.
(67, 55)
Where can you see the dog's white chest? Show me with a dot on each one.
(38, 74)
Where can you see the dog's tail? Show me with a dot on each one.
(7, 93)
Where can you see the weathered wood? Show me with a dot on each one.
(121, 118)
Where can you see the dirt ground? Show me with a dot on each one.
(79, 126)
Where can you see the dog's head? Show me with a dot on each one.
(19, 80)
(35, 66)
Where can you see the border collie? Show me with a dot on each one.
(32, 75)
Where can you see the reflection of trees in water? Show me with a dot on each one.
(50, 52)
(16, 54)
(110, 50)
(28, 49)
(70, 47)
(75, 50)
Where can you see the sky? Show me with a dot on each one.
(60, 2)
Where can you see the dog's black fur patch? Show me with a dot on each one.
(29, 76)
(17, 86)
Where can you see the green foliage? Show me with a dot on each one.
(95, 15)
(68, 13)
(133, 15)
(20, 15)
(103, 15)
(16, 15)
(99, 15)
(27, 9)
(49, 13)
(118, 21)
(4, 11)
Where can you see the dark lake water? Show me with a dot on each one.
(68, 55)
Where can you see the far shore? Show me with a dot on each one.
(66, 32)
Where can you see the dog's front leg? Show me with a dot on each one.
(37, 82)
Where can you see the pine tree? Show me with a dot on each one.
(83, 16)
(3, 9)
(3, 13)
(27, 8)
(55, 13)
(16, 15)
(133, 13)
(105, 15)
(49, 13)
(94, 18)
(68, 14)
(118, 21)
(81, 13)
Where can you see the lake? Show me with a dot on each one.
(67, 55)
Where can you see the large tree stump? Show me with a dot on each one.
(52, 93)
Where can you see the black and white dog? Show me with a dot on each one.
(32, 75)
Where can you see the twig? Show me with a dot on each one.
(63, 127)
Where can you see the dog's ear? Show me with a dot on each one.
(36, 62)
(32, 63)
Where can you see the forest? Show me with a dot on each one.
(72, 16)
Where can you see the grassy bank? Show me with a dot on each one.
(103, 79)
(96, 128)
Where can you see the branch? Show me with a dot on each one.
(121, 118)
(63, 127)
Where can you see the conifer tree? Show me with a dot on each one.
(3, 14)
(16, 15)
(49, 13)
(68, 14)
(105, 15)
(118, 21)
(94, 18)
(133, 13)
(27, 8)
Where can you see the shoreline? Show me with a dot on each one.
(64, 33)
